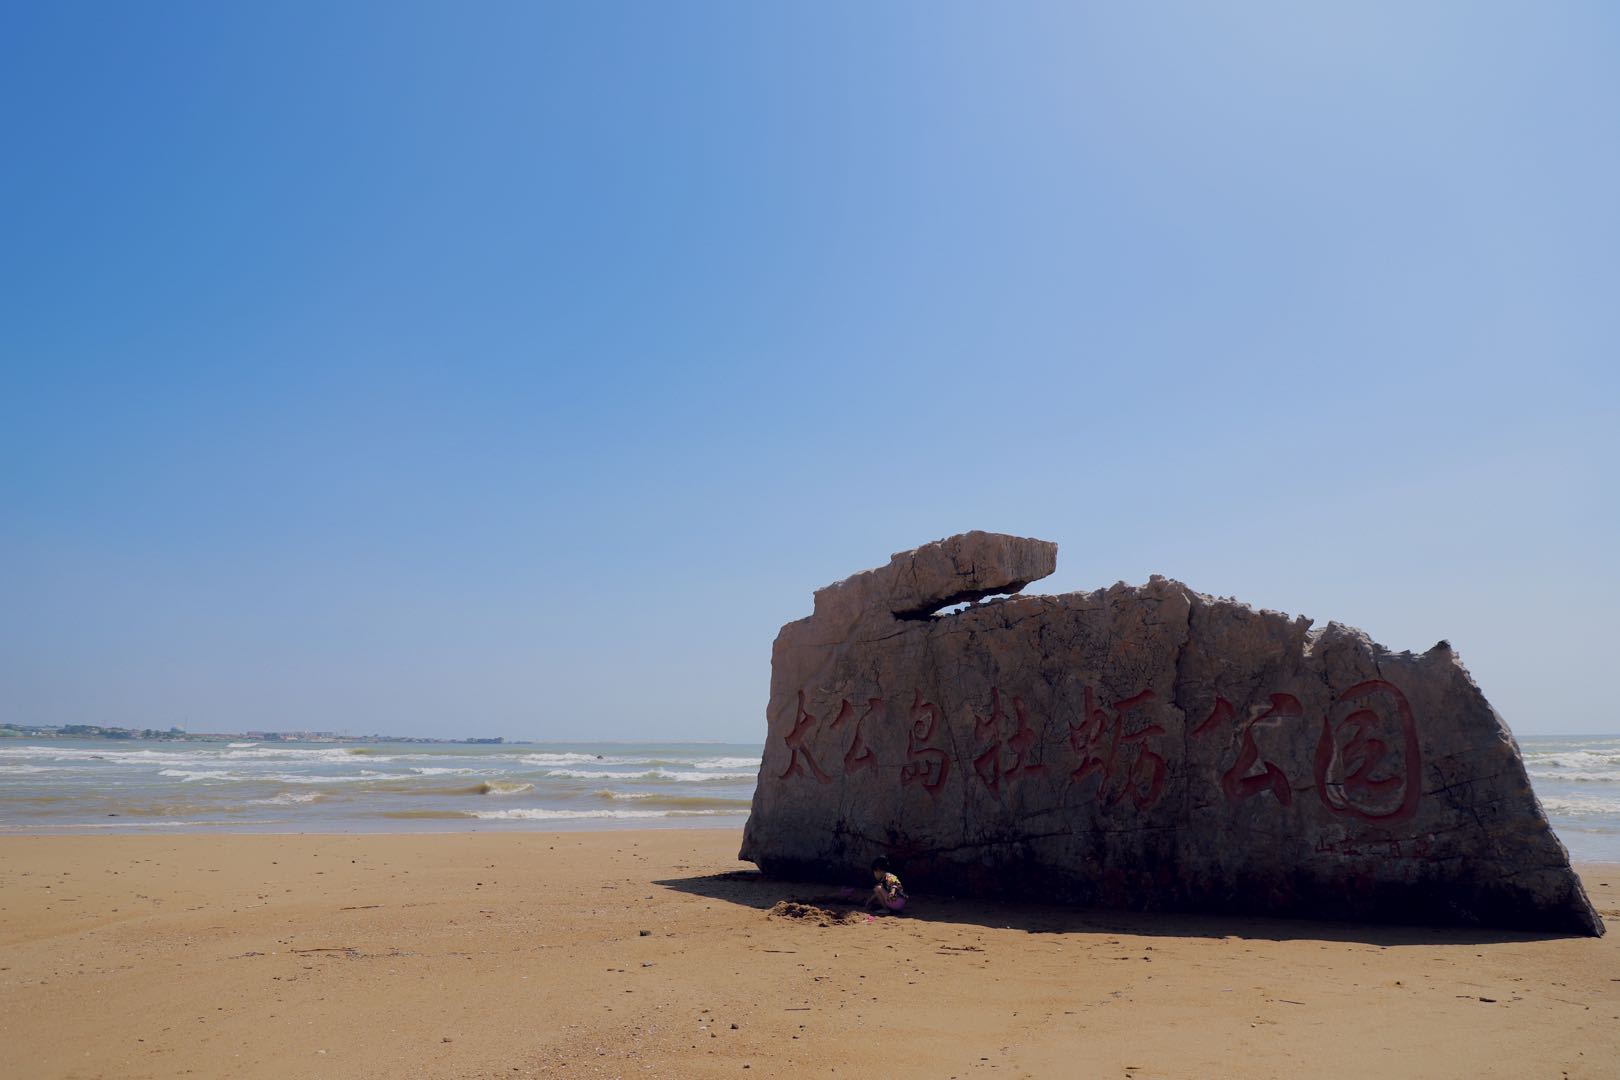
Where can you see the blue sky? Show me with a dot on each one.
(518, 369)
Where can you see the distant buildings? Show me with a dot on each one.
(85, 731)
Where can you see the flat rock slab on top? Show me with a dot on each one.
(1145, 747)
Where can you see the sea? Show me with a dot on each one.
(131, 785)
(111, 785)
(1577, 779)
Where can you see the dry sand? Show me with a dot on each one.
(652, 954)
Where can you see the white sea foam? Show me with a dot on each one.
(570, 759)
(73, 753)
(429, 770)
(637, 759)
(536, 814)
(505, 787)
(189, 775)
(1577, 766)
(650, 774)
(28, 751)
(1573, 759)
(241, 745)
(1581, 806)
(298, 753)
(366, 754)
(365, 775)
(728, 763)
(1612, 777)
(289, 798)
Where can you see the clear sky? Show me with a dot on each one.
(517, 369)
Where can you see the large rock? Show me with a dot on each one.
(1145, 747)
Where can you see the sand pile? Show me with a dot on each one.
(792, 909)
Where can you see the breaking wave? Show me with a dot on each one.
(730, 763)
(290, 798)
(677, 802)
(427, 815)
(1579, 766)
(1581, 806)
(721, 763)
(536, 814)
(503, 787)
(569, 759)
(190, 775)
(650, 774)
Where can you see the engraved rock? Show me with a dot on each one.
(1144, 747)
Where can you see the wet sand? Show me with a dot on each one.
(652, 954)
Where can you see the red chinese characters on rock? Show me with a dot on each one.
(859, 756)
(1005, 759)
(1103, 744)
(1220, 714)
(1367, 758)
(926, 764)
(1237, 782)
(1352, 775)
(800, 758)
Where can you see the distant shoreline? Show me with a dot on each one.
(122, 734)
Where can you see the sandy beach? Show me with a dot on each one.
(654, 953)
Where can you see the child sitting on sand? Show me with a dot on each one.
(888, 894)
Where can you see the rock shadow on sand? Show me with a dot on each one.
(748, 888)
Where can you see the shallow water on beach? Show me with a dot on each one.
(169, 786)
(129, 784)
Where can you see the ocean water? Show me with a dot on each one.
(80, 785)
(1577, 780)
